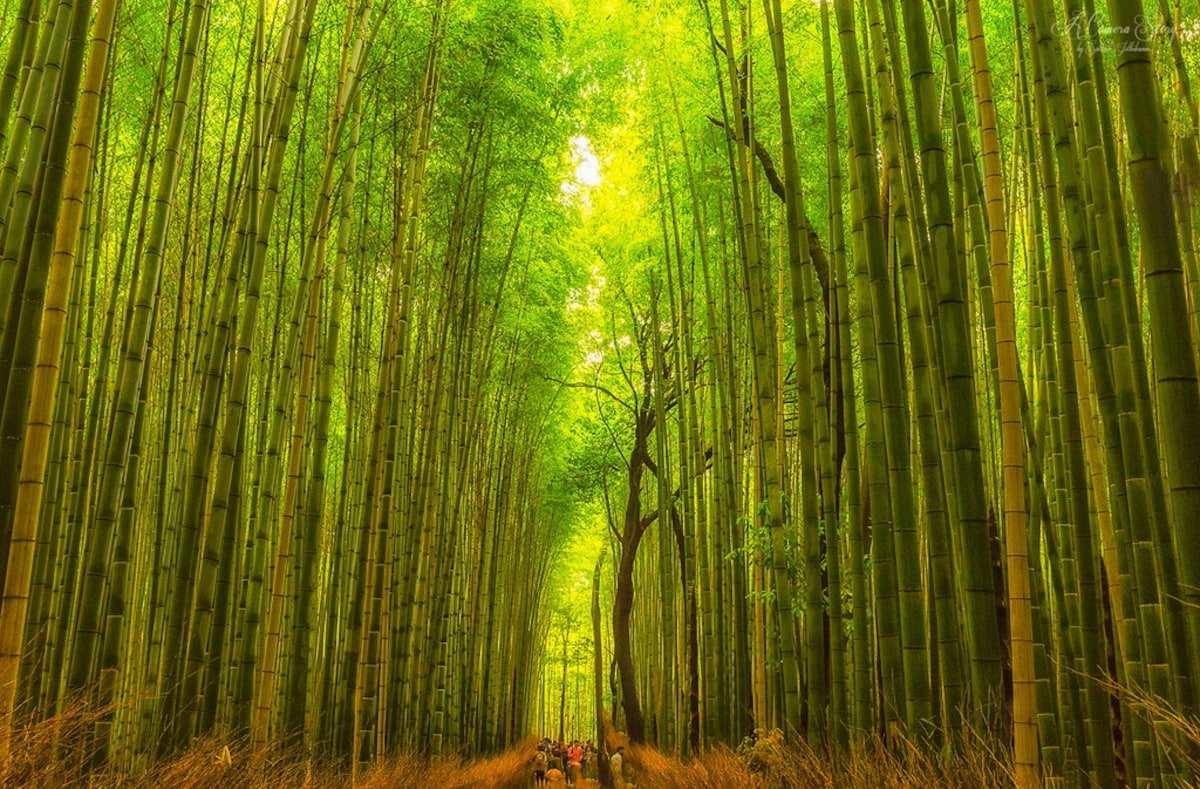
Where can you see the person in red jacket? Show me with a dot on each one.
(575, 762)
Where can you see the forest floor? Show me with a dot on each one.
(36, 761)
(206, 767)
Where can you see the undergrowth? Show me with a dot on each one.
(52, 753)
(768, 762)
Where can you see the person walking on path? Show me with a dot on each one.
(589, 756)
(539, 766)
(558, 758)
(574, 763)
(617, 763)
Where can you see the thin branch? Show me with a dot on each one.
(647, 521)
(637, 341)
(651, 466)
(612, 434)
(612, 523)
(594, 387)
(815, 250)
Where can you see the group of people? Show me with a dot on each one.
(557, 762)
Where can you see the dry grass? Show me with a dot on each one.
(36, 760)
(48, 753)
(1178, 733)
(507, 771)
(771, 763)
(53, 753)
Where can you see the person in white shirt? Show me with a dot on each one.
(617, 763)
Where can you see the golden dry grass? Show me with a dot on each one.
(771, 763)
(54, 753)
(50, 754)
(37, 761)
(42, 756)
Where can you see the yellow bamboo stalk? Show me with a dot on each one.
(45, 380)
(1012, 438)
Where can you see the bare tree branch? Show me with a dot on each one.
(594, 387)
(815, 250)
(612, 434)
(612, 522)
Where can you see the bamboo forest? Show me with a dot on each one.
(615, 393)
